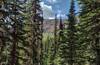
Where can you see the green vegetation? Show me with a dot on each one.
(73, 42)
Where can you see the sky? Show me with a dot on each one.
(60, 7)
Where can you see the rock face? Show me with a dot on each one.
(48, 25)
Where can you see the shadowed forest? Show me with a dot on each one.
(27, 38)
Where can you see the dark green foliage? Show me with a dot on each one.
(22, 42)
(69, 47)
(13, 26)
(37, 31)
(89, 27)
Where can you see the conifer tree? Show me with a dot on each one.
(68, 45)
(71, 34)
(37, 21)
(61, 27)
(90, 14)
(18, 36)
(12, 23)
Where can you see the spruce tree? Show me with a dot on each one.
(61, 28)
(12, 23)
(37, 21)
(90, 23)
(71, 34)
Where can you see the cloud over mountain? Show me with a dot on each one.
(47, 10)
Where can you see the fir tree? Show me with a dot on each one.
(90, 23)
(71, 34)
(37, 21)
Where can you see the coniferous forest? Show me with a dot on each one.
(24, 40)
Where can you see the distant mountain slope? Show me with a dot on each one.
(48, 25)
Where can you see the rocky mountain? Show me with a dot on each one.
(48, 25)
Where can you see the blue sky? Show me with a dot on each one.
(60, 7)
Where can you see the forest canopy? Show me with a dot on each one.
(30, 34)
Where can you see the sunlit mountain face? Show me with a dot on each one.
(59, 7)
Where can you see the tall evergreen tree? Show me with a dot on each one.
(55, 36)
(90, 14)
(61, 27)
(71, 34)
(12, 23)
(37, 21)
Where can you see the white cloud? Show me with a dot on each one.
(47, 10)
(52, 17)
(61, 15)
(52, 1)
(45, 6)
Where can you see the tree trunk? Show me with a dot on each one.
(97, 47)
(98, 57)
(13, 59)
(13, 52)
